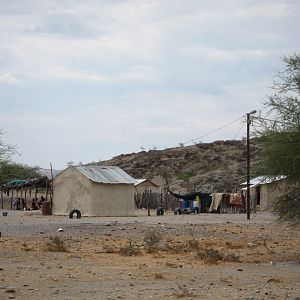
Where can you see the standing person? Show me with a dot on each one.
(42, 200)
(18, 204)
(196, 205)
(15, 204)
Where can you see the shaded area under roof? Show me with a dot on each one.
(191, 196)
(106, 174)
(29, 183)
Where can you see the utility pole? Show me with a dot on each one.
(248, 162)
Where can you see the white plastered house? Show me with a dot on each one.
(264, 189)
(94, 191)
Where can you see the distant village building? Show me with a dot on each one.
(264, 189)
(94, 191)
(48, 172)
(142, 185)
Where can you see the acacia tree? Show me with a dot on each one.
(280, 136)
(10, 170)
(6, 150)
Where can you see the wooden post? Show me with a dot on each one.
(52, 187)
(47, 189)
(248, 162)
(11, 199)
(1, 198)
(149, 197)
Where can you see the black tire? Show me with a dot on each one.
(177, 211)
(75, 211)
(159, 211)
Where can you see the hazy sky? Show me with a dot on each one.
(84, 80)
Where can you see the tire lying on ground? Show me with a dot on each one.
(195, 210)
(160, 211)
(73, 212)
(177, 211)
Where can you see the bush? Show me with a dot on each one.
(152, 240)
(130, 249)
(56, 244)
(210, 255)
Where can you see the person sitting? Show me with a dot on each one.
(33, 204)
(24, 206)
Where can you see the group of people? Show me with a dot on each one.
(36, 204)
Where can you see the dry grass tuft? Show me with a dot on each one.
(179, 247)
(192, 244)
(210, 255)
(159, 276)
(183, 292)
(171, 265)
(130, 249)
(231, 245)
(231, 257)
(109, 248)
(274, 280)
(25, 247)
(152, 240)
(56, 244)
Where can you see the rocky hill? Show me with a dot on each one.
(212, 167)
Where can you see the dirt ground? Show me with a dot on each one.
(205, 256)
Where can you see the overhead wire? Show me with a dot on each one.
(213, 131)
(243, 124)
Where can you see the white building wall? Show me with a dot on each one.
(112, 199)
(268, 192)
(73, 190)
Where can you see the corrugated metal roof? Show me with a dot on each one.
(139, 181)
(263, 180)
(106, 174)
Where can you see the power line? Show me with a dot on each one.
(265, 119)
(213, 131)
(243, 124)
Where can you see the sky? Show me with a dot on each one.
(86, 80)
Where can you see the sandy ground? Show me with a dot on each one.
(206, 256)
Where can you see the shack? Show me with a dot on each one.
(94, 191)
(264, 189)
(142, 185)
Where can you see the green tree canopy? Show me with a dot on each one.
(280, 133)
(280, 137)
(10, 170)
